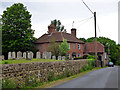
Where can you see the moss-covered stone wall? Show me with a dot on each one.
(41, 70)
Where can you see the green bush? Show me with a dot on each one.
(8, 83)
(118, 62)
(85, 68)
(91, 64)
(31, 81)
(77, 58)
(91, 57)
(51, 76)
(5, 62)
(68, 74)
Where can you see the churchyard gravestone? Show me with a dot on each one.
(13, 55)
(19, 55)
(24, 55)
(38, 55)
(59, 57)
(53, 57)
(9, 55)
(44, 55)
(30, 55)
(3, 58)
(49, 55)
(63, 57)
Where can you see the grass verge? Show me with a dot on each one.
(28, 61)
(56, 82)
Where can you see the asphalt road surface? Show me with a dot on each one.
(102, 78)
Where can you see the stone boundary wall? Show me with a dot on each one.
(41, 70)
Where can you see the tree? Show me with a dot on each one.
(54, 48)
(17, 34)
(59, 27)
(64, 48)
(82, 39)
(107, 43)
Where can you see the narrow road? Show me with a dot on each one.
(102, 78)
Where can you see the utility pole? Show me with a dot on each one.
(108, 53)
(97, 64)
(94, 13)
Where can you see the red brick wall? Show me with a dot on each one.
(44, 47)
(76, 50)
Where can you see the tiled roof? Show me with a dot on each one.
(90, 47)
(58, 37)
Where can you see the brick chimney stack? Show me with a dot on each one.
(73, 32)
(51, 29)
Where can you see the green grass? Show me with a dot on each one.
(28, 61)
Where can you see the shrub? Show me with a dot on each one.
(68, 74)
(5, 62)
(51, 76)
(91, 57)
(77, 58)
(85, 68)
(8, 83)
(31, 81)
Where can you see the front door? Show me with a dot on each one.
(73, 55)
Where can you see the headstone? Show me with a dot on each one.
(63, 57)
(19, 55)
(53, 57)
(24, 55)
(59, 57)
(3, 58)
(49, 55)
(38, 55)
(13, 55)
(44, 55)
(30, 55)
(9, 55)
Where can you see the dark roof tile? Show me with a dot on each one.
(58, 37)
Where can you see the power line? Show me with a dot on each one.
(87, 7)
(85, 21)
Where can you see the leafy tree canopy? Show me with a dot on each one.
(64, 47)
(114, 48)
(54, 48)
(17, 34)
(58, 25)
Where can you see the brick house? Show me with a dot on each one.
(89, 48)
(75, 45)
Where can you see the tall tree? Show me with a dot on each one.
(64, 48)
(107, 43)
(82, 39)
(59, 27)
(17, 34)
(54, 48)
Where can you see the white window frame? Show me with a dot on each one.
(69, 45)
(73, 46)
(79, 46)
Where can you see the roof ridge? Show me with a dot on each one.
(62, 35)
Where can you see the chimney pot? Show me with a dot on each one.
(51, 29)
(73, 32)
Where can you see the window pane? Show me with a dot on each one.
(73, 46)
(79, 55)
(78, 46)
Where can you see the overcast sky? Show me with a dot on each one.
(67, 11)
